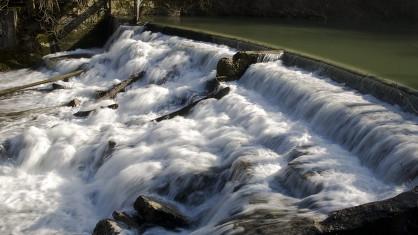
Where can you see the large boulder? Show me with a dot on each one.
(397, 215)
(107, 227)
(154, 211)
(226, 69)
(231, 69)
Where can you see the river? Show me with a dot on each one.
(387, 51)
(283, 141)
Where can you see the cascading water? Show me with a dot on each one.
(283, 142)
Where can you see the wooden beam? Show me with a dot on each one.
(112, 92)
(186, 109)
(51, 80)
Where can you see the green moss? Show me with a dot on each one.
(4, 67)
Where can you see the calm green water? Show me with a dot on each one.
(389, 52)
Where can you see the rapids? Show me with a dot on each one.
(283, 140)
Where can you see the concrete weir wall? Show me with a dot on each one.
(390, 92)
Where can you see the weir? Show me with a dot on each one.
(283, 148)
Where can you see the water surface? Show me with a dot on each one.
(387, 51)
(284, 143)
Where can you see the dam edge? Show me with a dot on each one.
(386, 90)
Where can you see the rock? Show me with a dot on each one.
(74, 103)
(243, 60)
(126, 219)
(267, 222)
(397, 215)
(231, 69)
(212, 85)
(221, 93)
(159, 213)
(112, 106)
(56, 86)
(99, 94)
(226, 69)
(107, 227)
(4, 67)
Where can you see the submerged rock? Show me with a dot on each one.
(397, 215)
(128, 220)
(107, 227)
(156, 212)
(267, 222)
(56, 86)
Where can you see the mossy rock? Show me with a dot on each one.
(4, 67)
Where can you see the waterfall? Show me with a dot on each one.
(283, 142)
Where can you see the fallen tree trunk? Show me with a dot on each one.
(112, 92)
(185, 110)
(50, 62)
(73, 103)
(80, 19)
(53, 79)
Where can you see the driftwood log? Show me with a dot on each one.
(217, 94)
(120, 87)
(12, 90)
(50, 62)
(88, 112)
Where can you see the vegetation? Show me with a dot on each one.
(41, 26)
(324, 10)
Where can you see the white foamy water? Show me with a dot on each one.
(283, 141)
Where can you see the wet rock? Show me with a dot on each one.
(226, 69)
(397, 215)
(99, 94)
(125, 218)
(231, 69)
(56, 86)
(241, 170)
(112, 106)
(212, 85)
(299, 180)
(267, 222)
(74, 103)
(107, 227)
(243, 60)
(221, 93)
(156, 212)
(193, 188)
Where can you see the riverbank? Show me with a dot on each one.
(388, 53)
